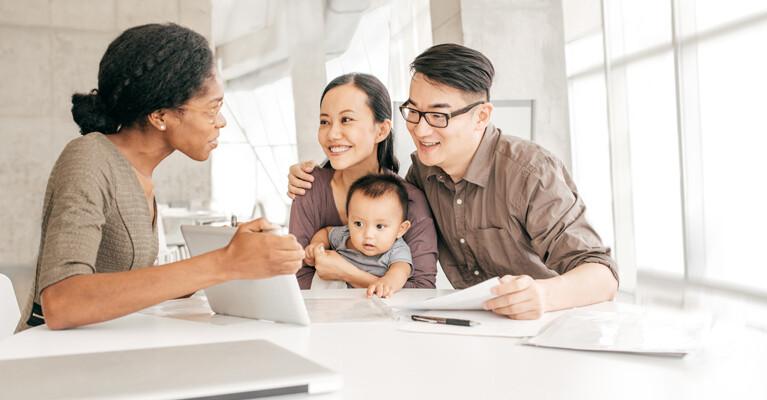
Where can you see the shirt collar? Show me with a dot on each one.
(433, 170)
(478, 172)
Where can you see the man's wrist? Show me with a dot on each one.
(548, 288)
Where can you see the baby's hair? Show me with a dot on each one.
(377, 185)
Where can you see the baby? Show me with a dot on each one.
(376, 209)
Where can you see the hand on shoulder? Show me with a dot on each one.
(300, 178)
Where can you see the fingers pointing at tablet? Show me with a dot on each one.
(253, 254)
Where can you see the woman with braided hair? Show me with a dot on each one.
(158, 91)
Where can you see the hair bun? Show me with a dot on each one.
(91, 114)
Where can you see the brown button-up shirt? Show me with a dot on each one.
(516, 211)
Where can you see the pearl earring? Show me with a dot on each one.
(162, 127)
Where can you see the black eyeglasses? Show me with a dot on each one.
(435, 119)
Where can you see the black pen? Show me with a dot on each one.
(446, 321)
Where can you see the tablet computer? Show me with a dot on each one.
(274, 299)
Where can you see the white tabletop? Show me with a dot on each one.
(380, 362)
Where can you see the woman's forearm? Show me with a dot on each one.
(87, 299)
(424, 272)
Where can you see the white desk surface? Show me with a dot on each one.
(380, 362)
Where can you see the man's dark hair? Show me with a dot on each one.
(146, 68)
(377, 185)
(456, 66)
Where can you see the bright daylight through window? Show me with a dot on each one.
(675, 89)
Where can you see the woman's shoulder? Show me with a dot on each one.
(319, 191)
(87, 143)
(321, 184)
(86, 153)
(322, 175)
(89, 160)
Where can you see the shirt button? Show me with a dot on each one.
(459, 201)
(463, 241)
(476, 272)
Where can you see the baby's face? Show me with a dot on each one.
(374, 224)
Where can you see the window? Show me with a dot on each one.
(588, 127)
(680, 84)
(255, 148)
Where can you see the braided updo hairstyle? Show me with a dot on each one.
(146, 68)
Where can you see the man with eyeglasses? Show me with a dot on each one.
(504, 206)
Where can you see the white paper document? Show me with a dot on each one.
(638, 330)
(491, 324)
(470, 298)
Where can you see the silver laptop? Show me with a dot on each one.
(240, 370)
(274, 299)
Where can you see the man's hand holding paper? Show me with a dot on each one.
(519, 297)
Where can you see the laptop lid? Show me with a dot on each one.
(240, 370)
(274, 299)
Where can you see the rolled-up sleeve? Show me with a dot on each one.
(556, 222)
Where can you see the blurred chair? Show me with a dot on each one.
(166, 253)
(9, 308)
(258, 210)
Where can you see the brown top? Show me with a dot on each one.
(95, 219)
(317, 210)
(516, 211)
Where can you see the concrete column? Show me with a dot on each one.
(410, 30)
(446, 21)
(306, 30)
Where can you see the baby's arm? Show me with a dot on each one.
(319, 240)
(392, 281)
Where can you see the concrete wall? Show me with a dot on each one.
(525, 41)
(50, 49)
(306, 27)
(446, 21)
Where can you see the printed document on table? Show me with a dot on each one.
(627, 330)
(491, 324)
(470, 298)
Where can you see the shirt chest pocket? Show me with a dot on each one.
(494, 251)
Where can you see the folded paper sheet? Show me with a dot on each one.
(470, 298)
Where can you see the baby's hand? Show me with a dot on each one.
(381, 288)
(312, 251)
